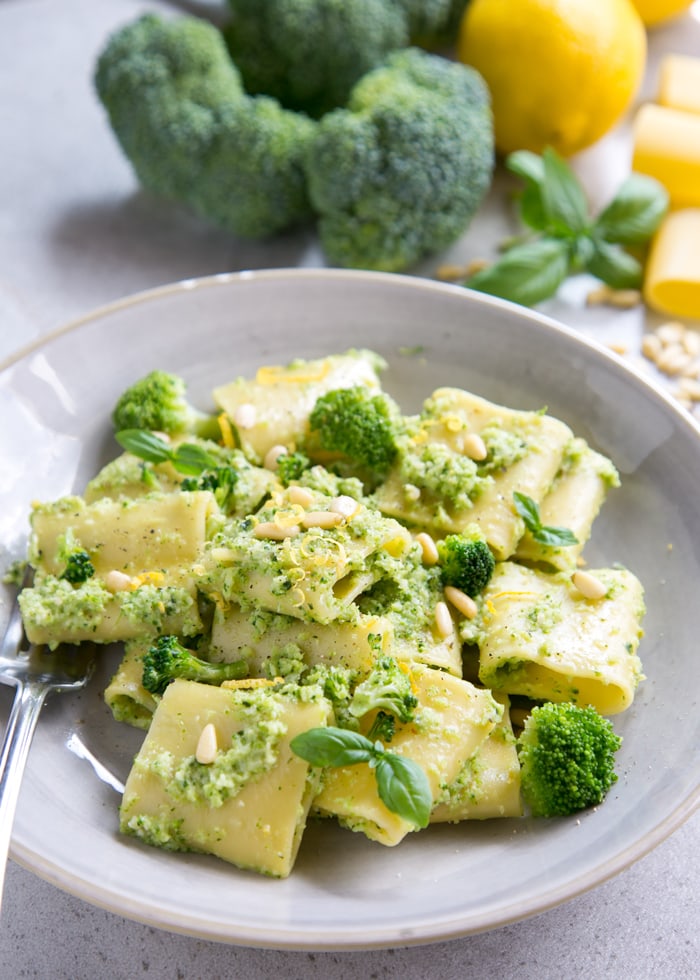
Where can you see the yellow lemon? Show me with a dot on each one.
(561, 72)
(653, 11)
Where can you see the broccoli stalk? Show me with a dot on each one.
(466, 561)
(567, 758)
(158, 402)
(388, 691)
(168, 659)
(358, 424)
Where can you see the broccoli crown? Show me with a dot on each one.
(156, 402)
(401, 171)
(290, 467)
(79, 567)
(309, 53)
(567, 757)
(466, 562)
(358, 424)
(431, 21)
(176, 103)
(388, 690)
(167, 659)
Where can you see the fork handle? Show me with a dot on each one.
(21, 724)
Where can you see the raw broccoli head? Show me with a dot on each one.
(358, 424)
(401, 171)
(466, 562)
(167, 659)
(387, 690)
(158, 403)
(309, 53)
(567, 759)
(176, 103)
(431, 21)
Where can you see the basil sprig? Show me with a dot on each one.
(566, 238)
(543, 533)
(187, 458)
(401, 783)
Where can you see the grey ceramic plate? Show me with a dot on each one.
(346, 892)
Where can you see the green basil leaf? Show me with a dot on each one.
(635, 212)
(554, 536)
(564, 200)
(527, 165)
(527, 509)
(530, 167)
(144, 444)
(331, 747)
(526, 274)
(614, 266)
(403, 788)
(192, 459)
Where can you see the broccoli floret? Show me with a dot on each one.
(309, 53)
(158, 402)
(78, 566)
(167, 659)
(567, 759)
(466, 561)
(433, 21)
(177, 106)
(387, 690)
(360, 425)
(290, 467)
(401, 171)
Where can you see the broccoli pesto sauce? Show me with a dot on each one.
(253, 752)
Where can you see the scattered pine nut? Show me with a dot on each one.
(673, 359)
(588, 585)
(451, 273)
(477, 265)
(461, 601)
(689, 388)
(651, 346)
(428, 548)
(443, 619)
(618, 348)
(623, 299)
(344, 505)
(474, 447)
(207, 746)
(117, 581)
(272, 457)
(323, 519)
(300, 495)
(273, 532)
(245, 416)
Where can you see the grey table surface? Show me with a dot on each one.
(76, 233)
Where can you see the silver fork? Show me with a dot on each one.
(35, 672)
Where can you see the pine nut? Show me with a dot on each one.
(689, 388)
(344, 505)
(117, 581)
(474, 447)
(273, 532)
(207, 747)
(598, 296)
(461, 601)
(624, 299)
(670, 333)
(324, 519)
(588, 585)
(245, 416)
(300, 496)
(272, 456)
(428, 548)
(443, 620)
(651, 346)
(690, 342)
(672, 359)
